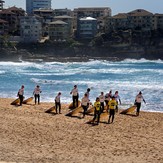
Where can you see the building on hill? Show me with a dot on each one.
(58, 31)
(94, 12)
(86, 28)
(11, 15)
(158, 21)
(4, 27)
(37, 4)
(62, 12)
(135, 20)
(67, 19)
(31, 28)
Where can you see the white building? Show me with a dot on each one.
(30, 29)
(37, 4)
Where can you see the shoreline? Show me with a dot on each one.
(28, 134)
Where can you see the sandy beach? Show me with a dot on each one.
(28, 134)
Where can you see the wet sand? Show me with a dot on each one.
(28, 134)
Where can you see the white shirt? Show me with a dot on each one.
(21, 91)
(74, 92)
(57, 98)
(85, 101)
(102, 98)
(139, 98)
(36, 91)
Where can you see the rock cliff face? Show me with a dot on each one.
(63, 53)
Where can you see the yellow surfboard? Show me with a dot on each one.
(15, 102)
(90, 110)
(128, 110)
(28, 100)
(75, 111)
(71, 105)
(50, 109)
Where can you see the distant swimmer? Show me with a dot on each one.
(58, 103)
(85, 104)
(97, 111)
(36, 94)
(21, 94)
(112, 106)
(138, 101)
(75, 96)
(117, 98)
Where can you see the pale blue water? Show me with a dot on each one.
(128, 77)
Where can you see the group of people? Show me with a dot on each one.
(109, 100)
(36, 94)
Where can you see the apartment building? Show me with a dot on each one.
(62, 12)
(31, 28)
(86, 28)
(4, 27)
(58, 30)
(11, 15)
(37, 4)
(138, 19)
(67, 19)
(158, 21)
(94, 12)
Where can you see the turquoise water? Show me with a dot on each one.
(128, 77)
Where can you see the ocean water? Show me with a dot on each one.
(128, 77)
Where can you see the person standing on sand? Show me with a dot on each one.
(21, 94)
(107, 98)
(85, 104)
(138, 100)
(117, 98)
(58, 103)
(36, 94)
(112, 106)
(97, 110)
(102, 99)
(75, 96)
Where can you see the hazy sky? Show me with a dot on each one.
(117, 6)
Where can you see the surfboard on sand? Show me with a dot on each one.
(103, 116)
(90, 109)
(15, 102)
(71, 105)
(128, 110)
(28, 100)
(50, 109)
(75, 111)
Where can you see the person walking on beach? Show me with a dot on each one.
(58, 103)
(112, 106)
(102, 99)
(85, 104)
(88, 93)
(21, 94)
(107, 98)
(75, 96)
(138, 101)
(36, 94)
(117, 98)
(97, 111)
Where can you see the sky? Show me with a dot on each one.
(117, 6)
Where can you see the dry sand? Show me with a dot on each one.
(28, 134)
